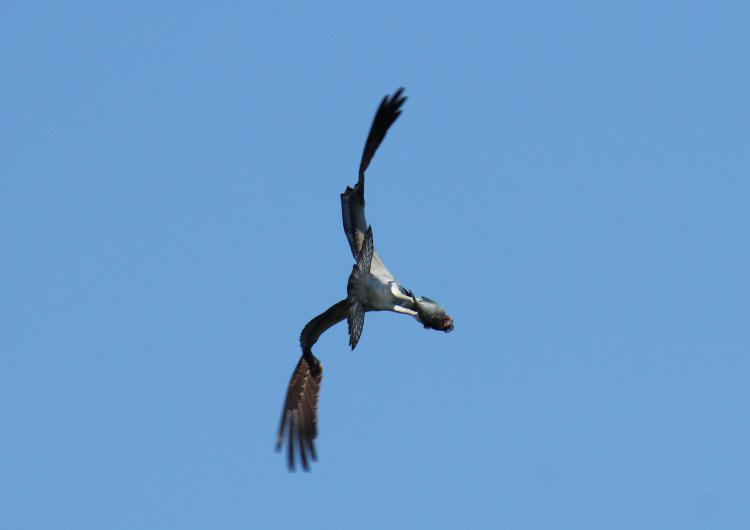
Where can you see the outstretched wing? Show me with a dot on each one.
(388, 111)
(300, 414)
(353, 199)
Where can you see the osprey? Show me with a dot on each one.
(371, 287)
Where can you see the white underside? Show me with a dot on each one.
(383, 294)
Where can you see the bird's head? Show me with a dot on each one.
(431, 315)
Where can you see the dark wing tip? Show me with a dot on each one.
(387, 113)
(300, 415)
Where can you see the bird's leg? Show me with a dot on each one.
(403, 302)
(404, 310)
(396, 292)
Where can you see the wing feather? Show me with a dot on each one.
(353, 199)
(300, 415)
(299, 418)
(388, 112)
(356, 315)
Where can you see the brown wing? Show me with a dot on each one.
(300, 414)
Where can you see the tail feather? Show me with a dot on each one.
(356, 314)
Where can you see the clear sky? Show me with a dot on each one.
(570, 182)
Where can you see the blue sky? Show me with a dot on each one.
(569, 181)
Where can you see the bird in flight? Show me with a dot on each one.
(371, 287)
